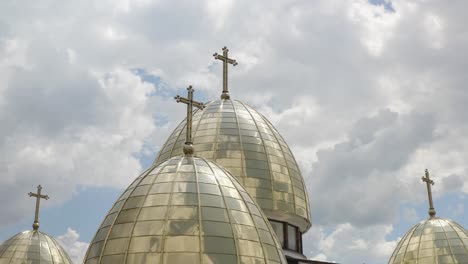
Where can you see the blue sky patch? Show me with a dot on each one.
(387, 4)
(451, 206)
(91, 203)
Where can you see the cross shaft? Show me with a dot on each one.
(429, 182)
(226, 60)
(38, 196)
(188, 149)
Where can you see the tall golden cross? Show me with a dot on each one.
(226, 60)
(429, 182)
(38, 196)
(188, 148)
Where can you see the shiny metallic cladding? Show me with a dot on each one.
(435, 240)
(185, 210)
(34, 247)
(237, 137)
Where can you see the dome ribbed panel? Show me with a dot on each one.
(33, 247)
(235, 136)
(435, 240)
(185, 210)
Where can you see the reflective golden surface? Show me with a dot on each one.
(185, 210)
(243, 141)
(435, 240)
(32, 247)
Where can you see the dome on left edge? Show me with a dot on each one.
(32, 247)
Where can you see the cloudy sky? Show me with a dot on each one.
(367, 93)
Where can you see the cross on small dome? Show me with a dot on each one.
(38, 196)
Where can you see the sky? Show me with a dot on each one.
(367, 94)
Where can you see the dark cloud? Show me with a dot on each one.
(453, 183)
(357, 181)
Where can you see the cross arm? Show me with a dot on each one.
(219, 57)
(231, 61)
(180, 99)
(428, 180)
(198, 105)
(38, 195)
(184, 100)
(226, 59)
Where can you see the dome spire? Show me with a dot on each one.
(38, 196)
(188, 148)
(226, 60)
(429, 182)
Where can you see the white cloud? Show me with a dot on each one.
(218, 12)
(319, 257)
(350, 244)
(62, 134)
(75, 248)
(376, 24)
(434, 28)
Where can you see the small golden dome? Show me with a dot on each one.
(435, 240)
(237, 137)
(185, 210)
(32, 247)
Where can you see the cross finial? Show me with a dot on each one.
(226, 60)
(38, 196)
(188, 148)
(429, 182)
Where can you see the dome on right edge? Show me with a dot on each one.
(435, 240)
(236, 136)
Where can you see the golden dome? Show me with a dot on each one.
(185, 210)
(243, 141)
(435, 240)
(32, 247)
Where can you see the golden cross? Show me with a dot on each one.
(226, 60)
(38, 196)
(429, 182)
(188, 148)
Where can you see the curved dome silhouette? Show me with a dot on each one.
(185, 210)
(237, 137)
(435, 240)
(32, 246)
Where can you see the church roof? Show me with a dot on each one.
(185, 210)
(236, 136)
(33, 247)
(435, 240)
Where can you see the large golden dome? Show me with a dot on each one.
(33, 247)
(234, 135)
(185, 210)
(435, 240)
